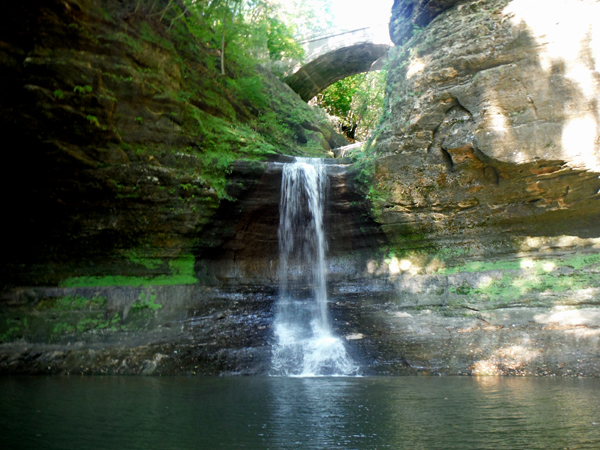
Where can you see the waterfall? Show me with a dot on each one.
(305, 344)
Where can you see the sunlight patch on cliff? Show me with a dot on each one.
(499, 125)
(568, 42)
(512, 359)
(497, 118)
(396, 266)
(544, 244)
(564, 31)
(416, 66)
(562, 316)
(579, 142)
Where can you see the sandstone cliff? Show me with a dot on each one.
(486, 182)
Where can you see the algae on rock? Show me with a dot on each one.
(127, 131)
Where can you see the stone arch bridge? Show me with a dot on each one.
(336, 56)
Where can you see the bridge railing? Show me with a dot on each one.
(376, 34)
(318, 45)
(303, 40)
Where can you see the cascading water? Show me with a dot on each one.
(305, 343)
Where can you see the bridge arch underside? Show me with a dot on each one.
(325, 70)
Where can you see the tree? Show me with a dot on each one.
(247, 29)
(356, 101)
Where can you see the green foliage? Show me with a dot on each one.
(117, 78)
(93, 120)
(223, 144)
(95, 322)
(148, 34)
(244, 29)
(111, 98)
(357, 101)
(579, 262)
(510, 288)
(337, 98)
(515, 283)
(83, 89)
(14, 328)
(58, 94)
(63, 328)
(311, 17)
(463, 289)
(250, 89)
(281, 42)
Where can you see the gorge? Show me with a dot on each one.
(463, 237)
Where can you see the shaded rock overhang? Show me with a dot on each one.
(408, 15)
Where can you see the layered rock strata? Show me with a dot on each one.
(125, 129)
(486, 180)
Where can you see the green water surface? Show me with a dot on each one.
(299, 413)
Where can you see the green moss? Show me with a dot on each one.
(223, 143)
(463, 289)
(480, 266)
(511, 288)
(182, 272)
(452, 252)
(93, 322)
(63, 328)
(182, 266)
(136, 256)
(14, 328)
(579, 262)
(146, 301)
(70, 303)
(123, 38)
(148, 34)
(576, 262)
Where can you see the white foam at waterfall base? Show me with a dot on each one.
(320, 354)
(305, 344)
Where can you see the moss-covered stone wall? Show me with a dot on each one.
(124, 132)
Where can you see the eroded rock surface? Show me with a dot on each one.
(124, 130)
(493, 123)
(486, 181)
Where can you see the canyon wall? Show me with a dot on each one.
(464, 239)
(486, 184)
(123, 133)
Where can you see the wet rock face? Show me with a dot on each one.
(125, 330)
(240, 246)
(519, 341)
(118, 116)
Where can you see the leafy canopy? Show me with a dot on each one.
(357, 103)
